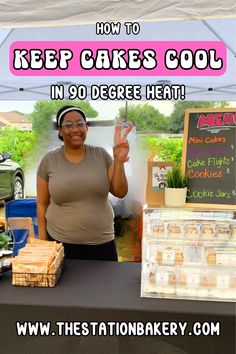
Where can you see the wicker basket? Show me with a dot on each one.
(37, 279)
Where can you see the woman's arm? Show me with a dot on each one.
(116, 172)
(43, 199)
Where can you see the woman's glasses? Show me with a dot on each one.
(69, 125)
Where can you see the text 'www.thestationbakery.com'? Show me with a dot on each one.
(111, 328)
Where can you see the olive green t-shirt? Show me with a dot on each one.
(79, 211)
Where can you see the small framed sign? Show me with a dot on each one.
(157, 179)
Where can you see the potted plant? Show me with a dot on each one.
(176, 189)
(4, 240)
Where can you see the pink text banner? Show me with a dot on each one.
(118, 58)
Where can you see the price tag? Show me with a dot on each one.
(222, 281)
(168, 257)
(162, 279)
(226, 259)
(193, 280)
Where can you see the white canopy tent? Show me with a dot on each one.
(74, 20)
(206, 22)
(31, 13)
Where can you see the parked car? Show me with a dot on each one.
(11, 178)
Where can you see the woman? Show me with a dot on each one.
(73, 183)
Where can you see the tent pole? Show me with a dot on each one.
(219, 37)
(7, 35)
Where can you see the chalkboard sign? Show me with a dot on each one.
(209, 157)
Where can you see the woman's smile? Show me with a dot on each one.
(76, 137)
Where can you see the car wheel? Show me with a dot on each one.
(18, 188)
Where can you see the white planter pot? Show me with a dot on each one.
(175, 197)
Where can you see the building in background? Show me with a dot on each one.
(15, 120)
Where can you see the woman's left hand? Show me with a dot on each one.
(120, 151)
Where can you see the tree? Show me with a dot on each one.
(45, 110)
(176, 123)
(18, 144)
(145, 117)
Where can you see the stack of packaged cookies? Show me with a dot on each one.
(39, 263)
(192, 258)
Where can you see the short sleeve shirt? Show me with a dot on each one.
(79, 211)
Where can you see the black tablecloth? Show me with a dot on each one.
(106, 291)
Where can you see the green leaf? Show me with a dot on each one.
(176, 179)
(4, 240)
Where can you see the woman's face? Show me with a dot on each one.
(73, 129)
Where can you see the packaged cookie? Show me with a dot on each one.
(165, 281)
(148, 277)
(207, 230)
(162, 278)
(181, 278)
(191, 230)
(151, 278)
(223, 231)
(147, 226)
(222, 287)
(175, 230)
(159, 228)
(152, 247)
(149, 270)
(211, 278)
(233, 232)
(172, 278)
(219, 256)
(203, 291)
(203, 280)
(169, 256)
(211, 257)
(188, 282)
(192, 280)
(179, 258)
(222, 281)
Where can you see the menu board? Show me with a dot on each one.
(209, 157)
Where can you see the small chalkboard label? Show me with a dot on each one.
(209, 157)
